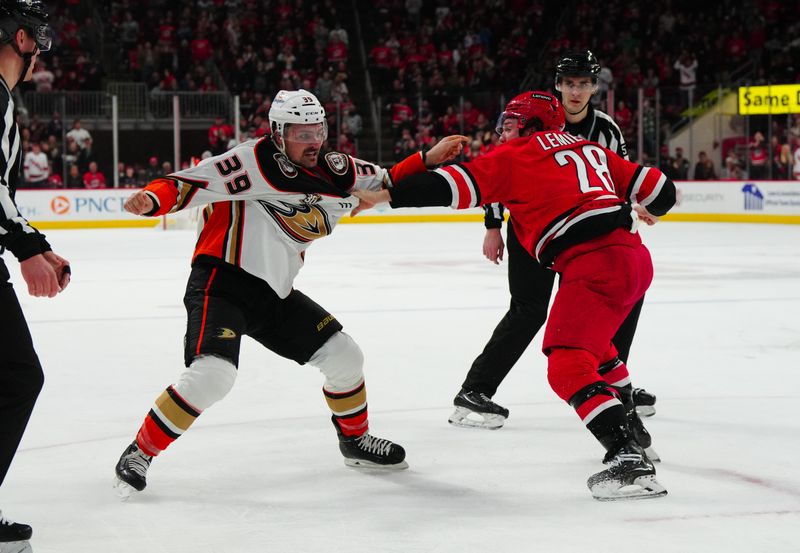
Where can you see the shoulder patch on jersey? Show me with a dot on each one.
(286, 166)
(337, 162)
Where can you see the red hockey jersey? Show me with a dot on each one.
(560, 189)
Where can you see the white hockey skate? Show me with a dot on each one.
(630, 475)
(477, 410)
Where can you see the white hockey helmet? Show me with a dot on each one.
(299, 107)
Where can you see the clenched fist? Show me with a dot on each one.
(139, 204)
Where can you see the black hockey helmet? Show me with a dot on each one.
(578, 64)
(30, 15)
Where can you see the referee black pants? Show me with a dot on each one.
(21, 376)
(530, 285)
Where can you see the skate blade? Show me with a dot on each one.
(645, 410)
(652, 455)
(362, 464)
(16, 547)
(644, 487)
(465, 418)
(124, 490)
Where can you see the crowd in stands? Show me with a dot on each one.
(439, 68)
(250, 48)
(429, 55)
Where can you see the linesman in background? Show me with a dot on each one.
(24, 33)
(531, 284)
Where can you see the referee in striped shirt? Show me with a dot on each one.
(24, 33)
(531, 284)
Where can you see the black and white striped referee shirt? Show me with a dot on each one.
(16, 234)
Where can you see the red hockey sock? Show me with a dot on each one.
(169, 418)
(349, 410)
(613, 369)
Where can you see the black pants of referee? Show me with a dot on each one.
(531, 286)
(21, 376)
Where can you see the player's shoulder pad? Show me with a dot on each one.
(340, 168)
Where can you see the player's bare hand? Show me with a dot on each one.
(61, 267)
(40, 276)
(645, 215)
(363, 205)
(139, 204)
(368, 199)
(493, 245)
(445, 150)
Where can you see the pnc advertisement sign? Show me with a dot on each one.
(74, 205)
(772, 99)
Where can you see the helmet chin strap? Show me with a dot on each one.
(584, 108)
(27, 61)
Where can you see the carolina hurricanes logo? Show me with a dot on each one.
(302, 223)
(337, 162)
(286, 166)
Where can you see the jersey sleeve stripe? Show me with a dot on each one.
(452, 183)
(637, 184)
(656, 191)
(470, 183)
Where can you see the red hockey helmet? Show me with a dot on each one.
(532, 107)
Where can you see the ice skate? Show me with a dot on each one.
(630, 475)
(477, 410)
(644, 402)
(640, 433)
(367, 451)
(132, 471)
(14, 536)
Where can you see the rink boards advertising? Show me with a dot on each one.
(703, 201)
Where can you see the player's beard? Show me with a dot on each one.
(310, 157)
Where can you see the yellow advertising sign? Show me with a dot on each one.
(774, 99)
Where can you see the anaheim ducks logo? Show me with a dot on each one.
(287, 167)
(302, 223)
(337, 162)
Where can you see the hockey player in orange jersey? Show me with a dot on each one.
(265, 202)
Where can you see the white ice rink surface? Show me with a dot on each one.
(718, 342)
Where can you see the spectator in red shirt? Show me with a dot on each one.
(336, 51)
(218, 129)
(94, 179)
(470, 115)
(624, 117)
(201, 48)
(401, 112)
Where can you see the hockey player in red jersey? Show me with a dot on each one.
(571, 203)
(265, 202)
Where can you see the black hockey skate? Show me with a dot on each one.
(630, 475)
(13, 531)
(644, 402)
(477, 410)
(367, 451)
(640, 433)
(132, 471)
